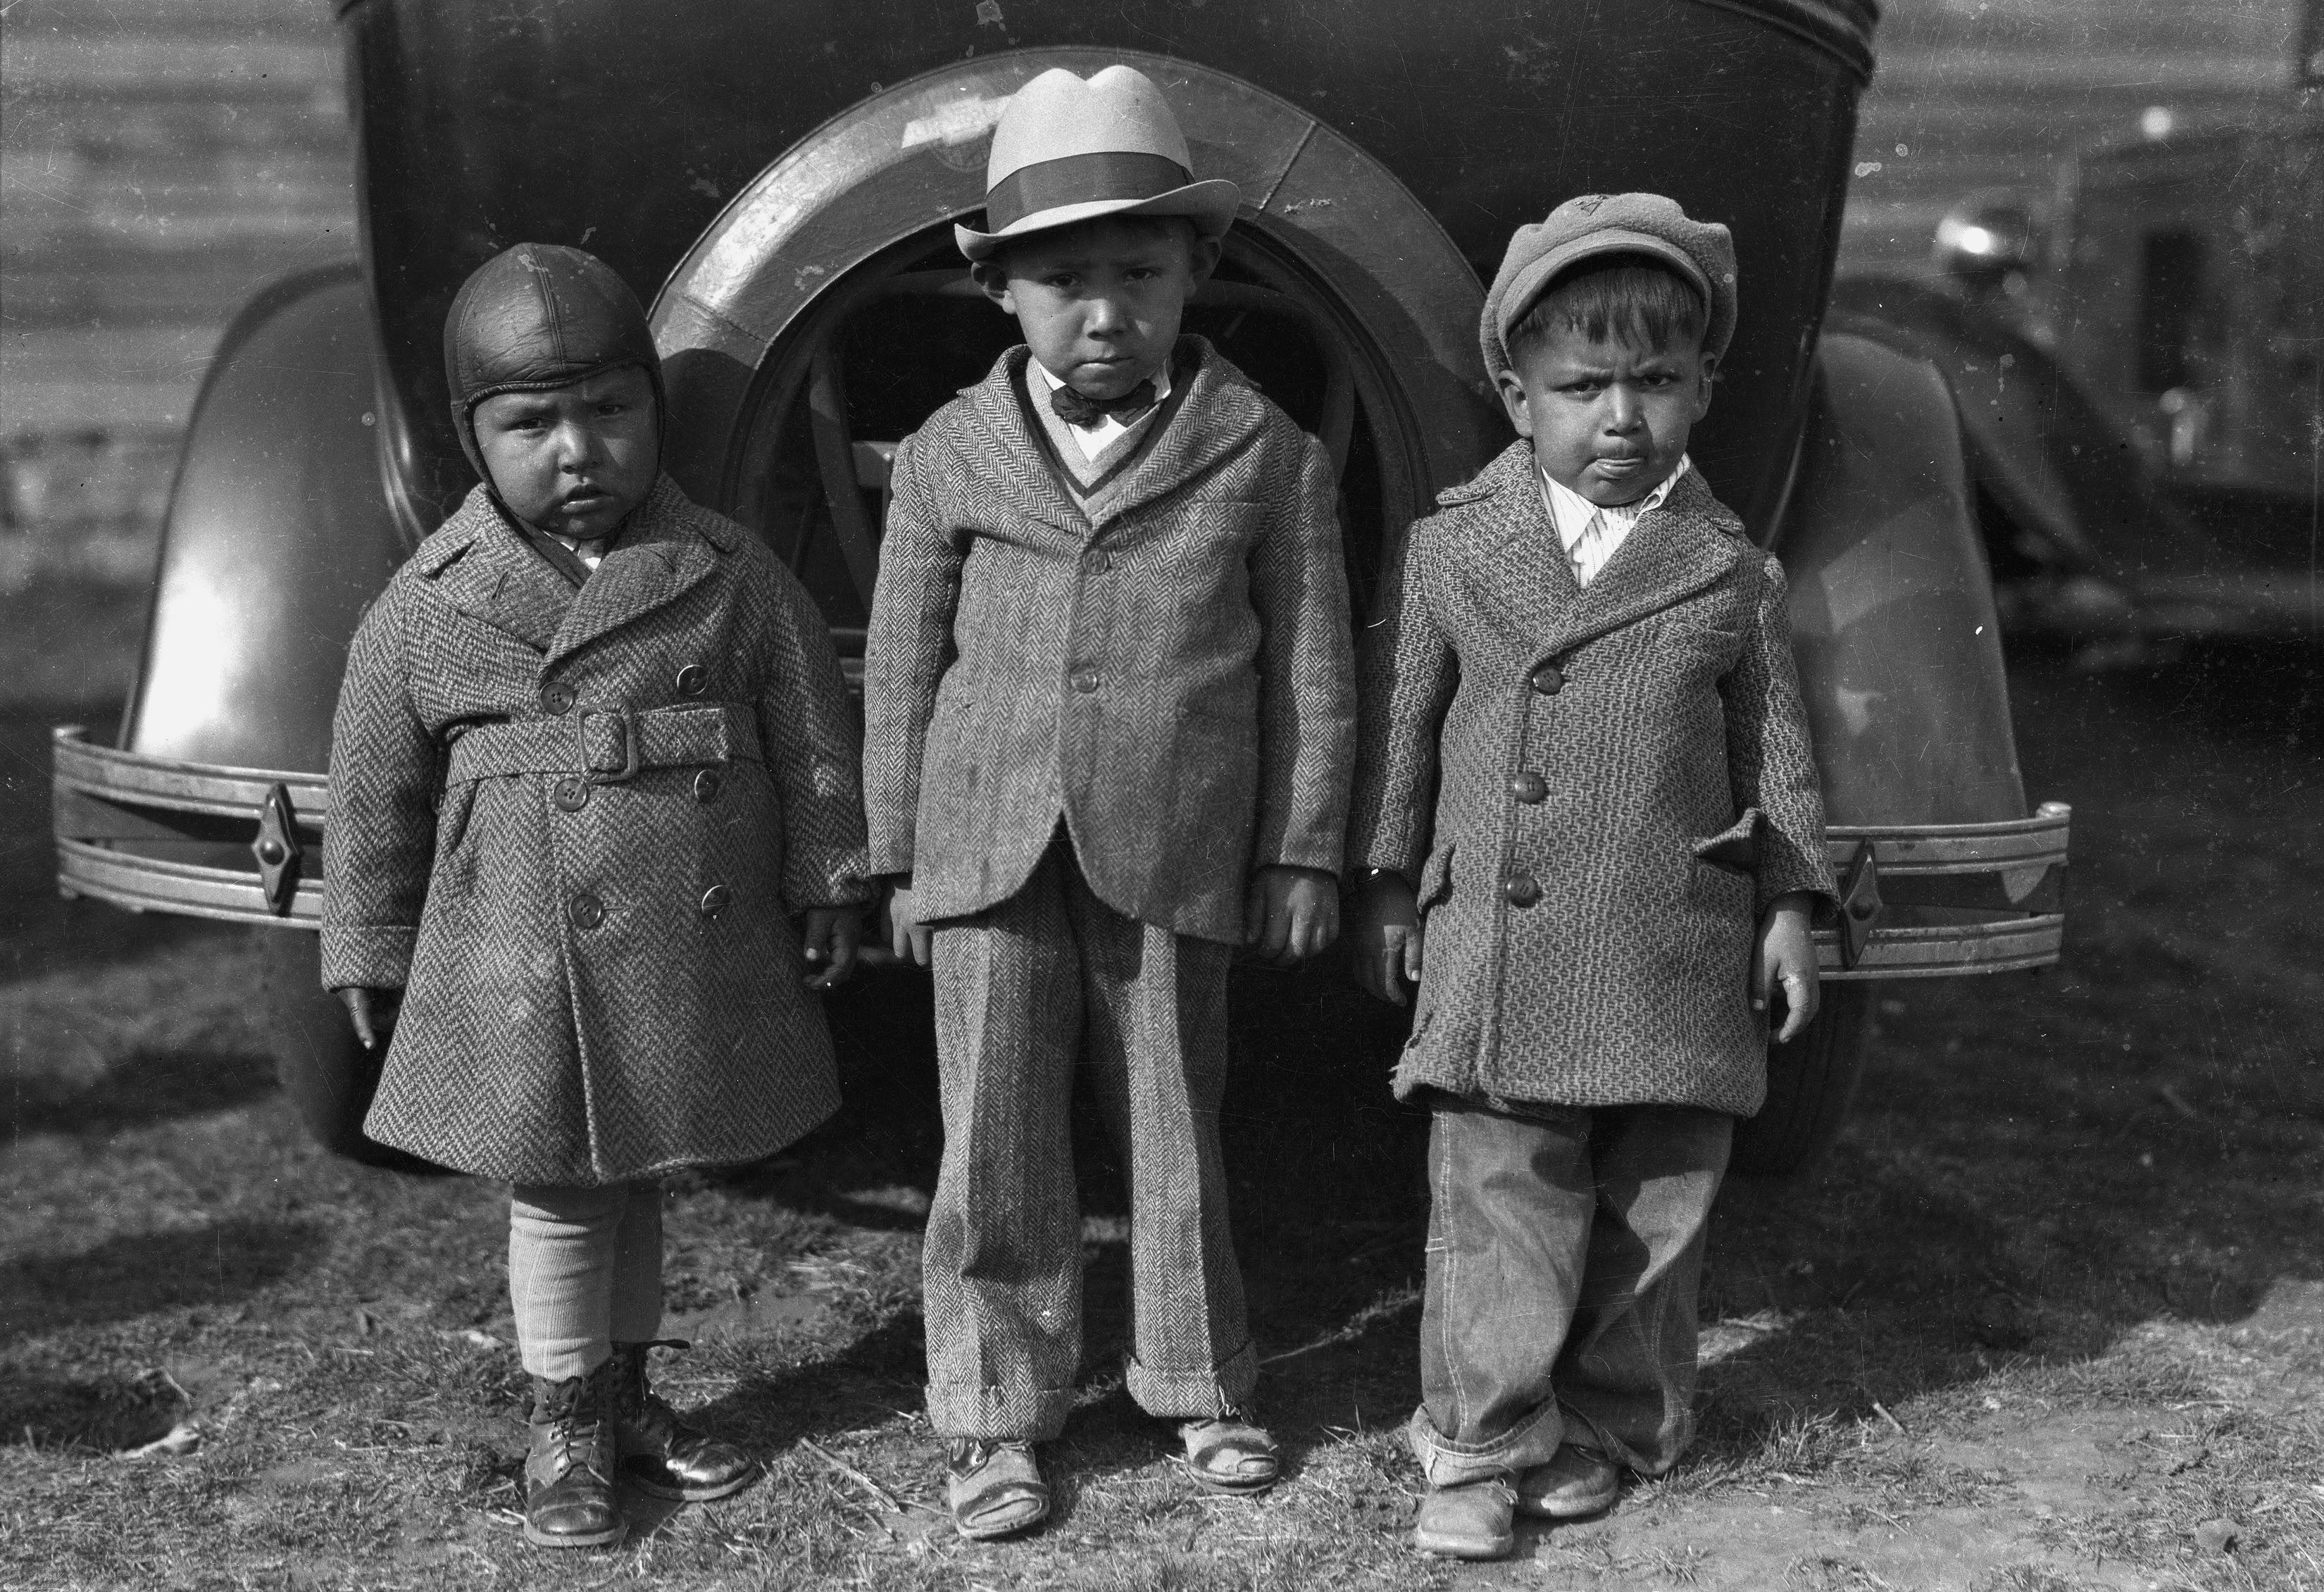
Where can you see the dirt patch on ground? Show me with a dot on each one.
(2048, 1319)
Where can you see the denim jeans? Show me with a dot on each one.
(1565, 1247)
(585, 1273)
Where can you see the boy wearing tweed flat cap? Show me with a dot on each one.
(595, 838)
(1109, 719)
(1588, 665)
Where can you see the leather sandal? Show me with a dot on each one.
(661, 1454)
(994, 1489)
(1230, 1453)
(568, 1472)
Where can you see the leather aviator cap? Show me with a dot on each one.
(537, 316)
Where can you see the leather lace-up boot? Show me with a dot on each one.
(569, 1475)
(660, 1453)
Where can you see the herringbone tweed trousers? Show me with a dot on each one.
(1024, 991)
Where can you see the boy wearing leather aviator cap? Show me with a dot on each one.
(597, 829)
(1108, 726)
(1584, 775)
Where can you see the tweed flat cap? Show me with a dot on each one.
(1704, 252)
(537, 316)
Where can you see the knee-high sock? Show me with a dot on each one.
(585, 1268)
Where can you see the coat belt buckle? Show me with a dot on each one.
(630, 765)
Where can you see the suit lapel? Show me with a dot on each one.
(1681, 548)
(499, 579)
(1006, 454)
(1221, 413)
(659, 558)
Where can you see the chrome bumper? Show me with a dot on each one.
(153, 834)
(1918, 900)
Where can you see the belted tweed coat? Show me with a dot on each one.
(1171, 678)
(1598, 792)
(602, 977)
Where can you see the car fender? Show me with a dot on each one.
(1892, 607)
(282, 526)
(278, 535)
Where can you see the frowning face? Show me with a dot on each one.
(1607, 419)
(573, 460)
(1100, 302)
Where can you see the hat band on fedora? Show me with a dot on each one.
(1077, 179)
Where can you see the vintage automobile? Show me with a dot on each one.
(2138, 358)
(781, 180)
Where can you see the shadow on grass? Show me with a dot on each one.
(140, 1273)
(2039, 1166)
(106, 1414)
(144, 1087)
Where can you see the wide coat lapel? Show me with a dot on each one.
(1518, 562)
(1685, 546)
(1219, 416)
(659, 556)
(484, 570)
(1002, 450)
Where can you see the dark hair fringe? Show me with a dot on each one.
(1635, 300)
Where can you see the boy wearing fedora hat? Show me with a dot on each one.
(1109, 721)
(1587, 664)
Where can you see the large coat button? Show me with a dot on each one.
(1528, 786)
(693, 680)
(1520, 889)
(572, 793)
(716, 900)
(556, 699)
(1549, 679)
(1097, 561)
(705, 785)
(585, 910)
(1085, 681)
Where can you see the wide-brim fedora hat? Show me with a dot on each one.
(1068, 149)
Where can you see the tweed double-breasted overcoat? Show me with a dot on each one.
(1170, 679)
(1597, 790)
(602, 977)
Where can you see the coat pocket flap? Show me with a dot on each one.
(1435, 878)
(1736, 846)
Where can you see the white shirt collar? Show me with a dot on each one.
(1572, 512)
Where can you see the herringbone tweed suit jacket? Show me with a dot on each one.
(1596, 790)
(602, 979)
(1172, 679)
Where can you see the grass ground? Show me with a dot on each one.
(2051, 1317)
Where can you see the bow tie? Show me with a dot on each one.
(1079, 409)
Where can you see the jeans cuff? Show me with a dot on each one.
(1447, 1464)
(1195, 1394)
(998, 1414)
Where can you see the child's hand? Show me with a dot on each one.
(372, 1011)
(830, 936)
(1784, 958)
(908, 937)
(1385, 940)
(1291, 913)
